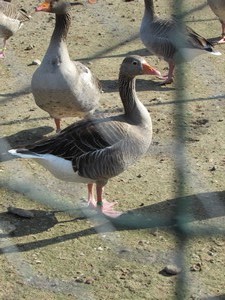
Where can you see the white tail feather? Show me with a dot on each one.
(216, 53)
(22, 155)
(58, 166)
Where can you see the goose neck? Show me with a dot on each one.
(149, 8)
(133, 107)
(62, 25)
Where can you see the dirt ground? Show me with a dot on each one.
(58, 255)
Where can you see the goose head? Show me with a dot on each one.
(54, 6)
(58, 6)
(135, 65)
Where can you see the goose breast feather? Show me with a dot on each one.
(70, 88)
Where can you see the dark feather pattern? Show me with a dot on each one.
(85, 142)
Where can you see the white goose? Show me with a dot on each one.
(166, 39)
(94, 150)
(218, 7)
(11, 20)
(62, 87)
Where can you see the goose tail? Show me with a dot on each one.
(23, 153)
(214, 52)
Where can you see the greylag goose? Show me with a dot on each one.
(11, 20)
(62, 87)
(218, 7)
(166, 39)
(93, 150)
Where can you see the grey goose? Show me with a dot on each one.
(60, 86)
(94, 150)
(166, 39)
(11, 20)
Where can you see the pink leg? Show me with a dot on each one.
(101, 205)
(57, 123)
(2, 55)
(169, 76)
(91, 199)
(222, 41)
(105, 206)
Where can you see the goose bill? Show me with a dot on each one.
(45, 6)
(149, 70)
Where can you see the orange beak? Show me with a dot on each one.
(149, 70)
(45, 6)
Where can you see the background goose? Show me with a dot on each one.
(11, 20)
(218, 7)
(166, 39)
(94, 150)
(62, 87)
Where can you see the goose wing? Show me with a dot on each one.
(83, 70)
(195, 40)
(168, 37)
(96, 148)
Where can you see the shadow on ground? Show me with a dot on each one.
(199, 207)
(20, 139)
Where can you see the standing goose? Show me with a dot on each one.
(62, 87)
(218, 7)
(166, 39)
(11, 20)
(95, 150)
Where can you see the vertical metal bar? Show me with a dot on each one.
(180, 161)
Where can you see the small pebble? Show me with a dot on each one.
(196, 267)
(171, 270)
(35, 62)
(20, 212)
(121, 251)
(79, 280)
(100, 249)
(29, 47)
(89, 280)
(213, 168)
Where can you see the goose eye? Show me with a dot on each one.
(134, 63)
